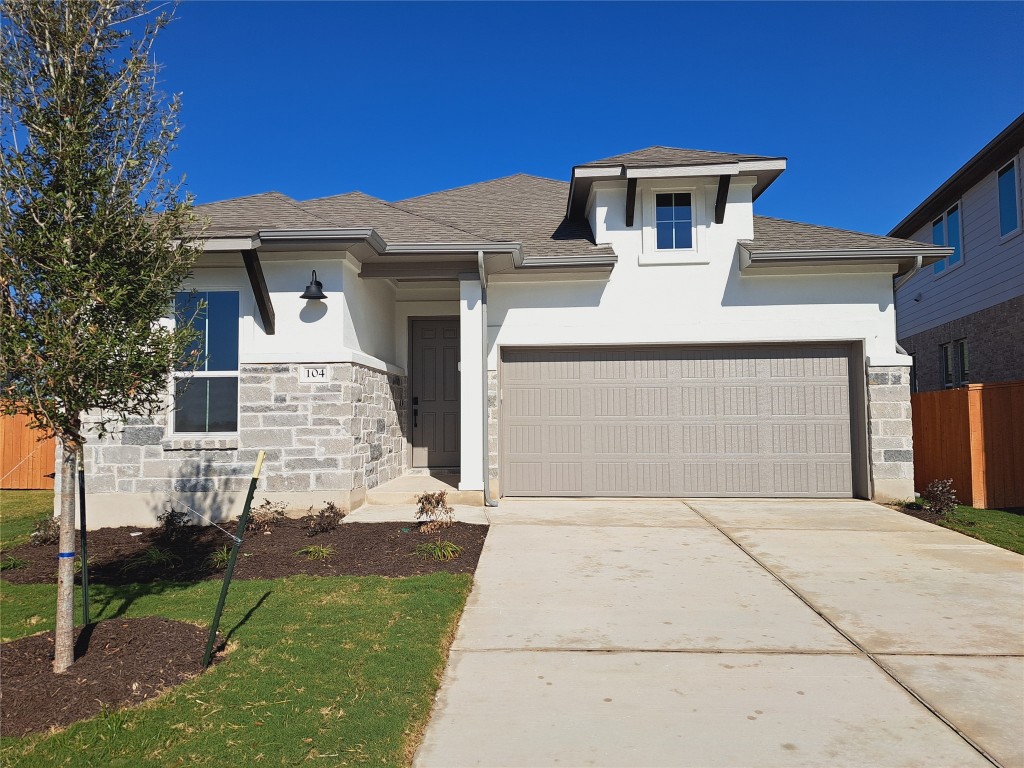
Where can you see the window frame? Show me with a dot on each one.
(650, 254)
(1018, 209)
(963, 372)
(195, 374)
(946, 367)
(942, 267)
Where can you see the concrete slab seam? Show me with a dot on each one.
(885, 670)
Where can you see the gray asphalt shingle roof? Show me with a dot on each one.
(245, 216)
(771, 235)
(395, 225)
(519, 208)
(655, 157)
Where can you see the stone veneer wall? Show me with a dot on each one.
(338, 435)
(890, 433)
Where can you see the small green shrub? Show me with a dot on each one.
(218, 559)
(78, 564)
(316, 552)
(325, 520)
(439, 550)
(45, 531)
(263, 518)
(433, 512)
(151, 557)
(940, 498)
(173, 522)
(12, 563)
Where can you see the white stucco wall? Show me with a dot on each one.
(691, 303)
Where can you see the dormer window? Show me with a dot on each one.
(674, 220)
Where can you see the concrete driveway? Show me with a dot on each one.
(732, 633)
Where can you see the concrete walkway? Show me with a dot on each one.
(732, 633)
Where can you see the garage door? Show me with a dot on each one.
(712, 421)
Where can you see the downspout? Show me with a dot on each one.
(488, 501)
(900, 282)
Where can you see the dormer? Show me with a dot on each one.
(672, 197)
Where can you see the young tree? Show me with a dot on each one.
(94, 236)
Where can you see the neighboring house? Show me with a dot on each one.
(637, 331)
(962, 318)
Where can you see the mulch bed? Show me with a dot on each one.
(360, 549)
(118, 662)
(915, 510)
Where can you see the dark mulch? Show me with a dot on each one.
(916, 510)
(360, 549)
(118, 662)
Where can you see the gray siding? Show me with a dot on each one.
(992, 270)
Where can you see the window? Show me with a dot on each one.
(947, 364)
(963, 367)
(946, 231)
(673, 217)
(1009, 199)
(206, 400)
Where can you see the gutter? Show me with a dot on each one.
(488, 501)
(905, 277)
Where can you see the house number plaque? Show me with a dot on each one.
(313, 374)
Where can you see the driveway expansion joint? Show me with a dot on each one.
(867, 654)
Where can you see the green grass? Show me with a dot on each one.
(994, 526)
(19, 511)
(337, 671)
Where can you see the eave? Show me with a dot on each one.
(793, 261)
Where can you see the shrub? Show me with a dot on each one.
(433, 512)
(218, 559)
(151, 557)
(316, 552)
(324, 521)
(173, 522)
(439, 550)
(12, 563)
(940, 498)
(45, 531)
(263, 518)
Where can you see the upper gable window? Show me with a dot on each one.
(946, 231)
(1009, 199)
(673, 216)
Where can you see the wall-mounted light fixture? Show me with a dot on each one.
(918, 297)
(315, 290)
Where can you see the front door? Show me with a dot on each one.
(435, 392)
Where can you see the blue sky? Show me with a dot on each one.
(873, 104)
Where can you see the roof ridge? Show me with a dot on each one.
(477, 184)
(268, 193)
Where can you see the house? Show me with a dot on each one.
(635, 331)
(962, 319)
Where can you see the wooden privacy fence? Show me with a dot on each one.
(974, 435)
(25, 461)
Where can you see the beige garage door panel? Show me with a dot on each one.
(750, 421)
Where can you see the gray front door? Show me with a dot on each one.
(435, 392)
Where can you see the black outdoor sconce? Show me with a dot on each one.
(315, 290)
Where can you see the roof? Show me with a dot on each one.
(245, 216)
(992, 157)
(395, 225)
(519, 208)
(779, 235)
(659, 156)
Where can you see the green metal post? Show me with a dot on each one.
(85, 548)
(239, 532)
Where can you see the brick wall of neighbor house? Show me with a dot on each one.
(890, 431)
(332, 436)
(995, 346)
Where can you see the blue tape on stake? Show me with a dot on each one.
(63, 555)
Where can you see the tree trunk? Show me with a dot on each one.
(64, 647)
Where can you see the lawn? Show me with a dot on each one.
(19, 511)
(996, 526)
(339, 670)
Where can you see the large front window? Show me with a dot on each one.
(673, 218)
(1009, 204)
(206, 390)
